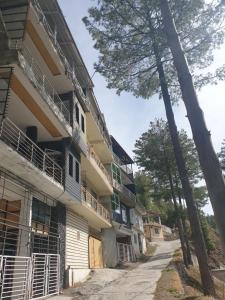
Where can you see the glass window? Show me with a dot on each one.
(135, 238)
(156, 231)
(82, 123)
(77, 172)
(77, 111)
(40, 212)
(116, 203)
(124, 213)
(116, 173)
(70, 165)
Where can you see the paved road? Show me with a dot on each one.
(133, 284)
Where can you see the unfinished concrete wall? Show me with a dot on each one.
(110, 255)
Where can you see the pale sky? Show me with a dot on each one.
(127, 117)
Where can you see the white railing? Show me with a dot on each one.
(125, 252)
(15, 277)
(125, 168)
(94, 204)
(43, 85)
(92, 154)
(128, 193)
(53, 37)
(15, 138)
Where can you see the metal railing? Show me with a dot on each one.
(70, 72)
(43, 85)
(53, 37)
(93, 203)
(15, 138)
(13, 43)
(92, 154)
(100, 123)
(124, 167)
(128, 193)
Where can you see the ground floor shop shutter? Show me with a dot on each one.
(76, 241)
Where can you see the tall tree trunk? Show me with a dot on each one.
(183, 218)
(197, 234)
(199, 243)
(179, 221)
(208, 159)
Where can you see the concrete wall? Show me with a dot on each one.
(110, 255)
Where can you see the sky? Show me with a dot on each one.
(127, 117)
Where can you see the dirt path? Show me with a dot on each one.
(133, 284)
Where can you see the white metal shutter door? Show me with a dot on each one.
(76, 241)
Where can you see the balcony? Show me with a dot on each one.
(124, 167)
(99, 163)
(44, 86)
(128, 197)
(69, 71)
(24, 158)
(94, 171)
(90, 201)
(91, 209)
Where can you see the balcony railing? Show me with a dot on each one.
(53, 37)
(43, 85)
(125, 168)
(15, 138)
(124, 190)
(95, 205)
(70, 70)
(99, 163)
(128, 193)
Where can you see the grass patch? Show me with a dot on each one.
(169, 286)
(177, 282)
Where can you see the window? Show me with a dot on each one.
(82, 123)
(124, 213)
(77, 111)
(156, 231)
(116, 203)
(40, 212)
(135, 238)
(116, 173)
(70, 165)
(77, 172)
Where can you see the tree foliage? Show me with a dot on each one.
(122, 30)
(154, 154)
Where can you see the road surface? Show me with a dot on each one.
(138, 283)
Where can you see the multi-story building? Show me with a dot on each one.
(54, 146)
(67, 194)
(119, 242)
(138, 237)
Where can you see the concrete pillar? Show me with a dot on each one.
(110, 254)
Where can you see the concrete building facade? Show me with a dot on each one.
(66, 189)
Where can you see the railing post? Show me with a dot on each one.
(18, 141)
(44, 160)
(53, 170)
(32, 152)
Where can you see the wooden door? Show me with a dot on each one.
(95, 253)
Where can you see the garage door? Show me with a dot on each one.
(95, 253)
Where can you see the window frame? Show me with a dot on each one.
(77, 171)
(116, 173)
(116, 202)
(82, 123)
(70, 165)
(77, 113)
